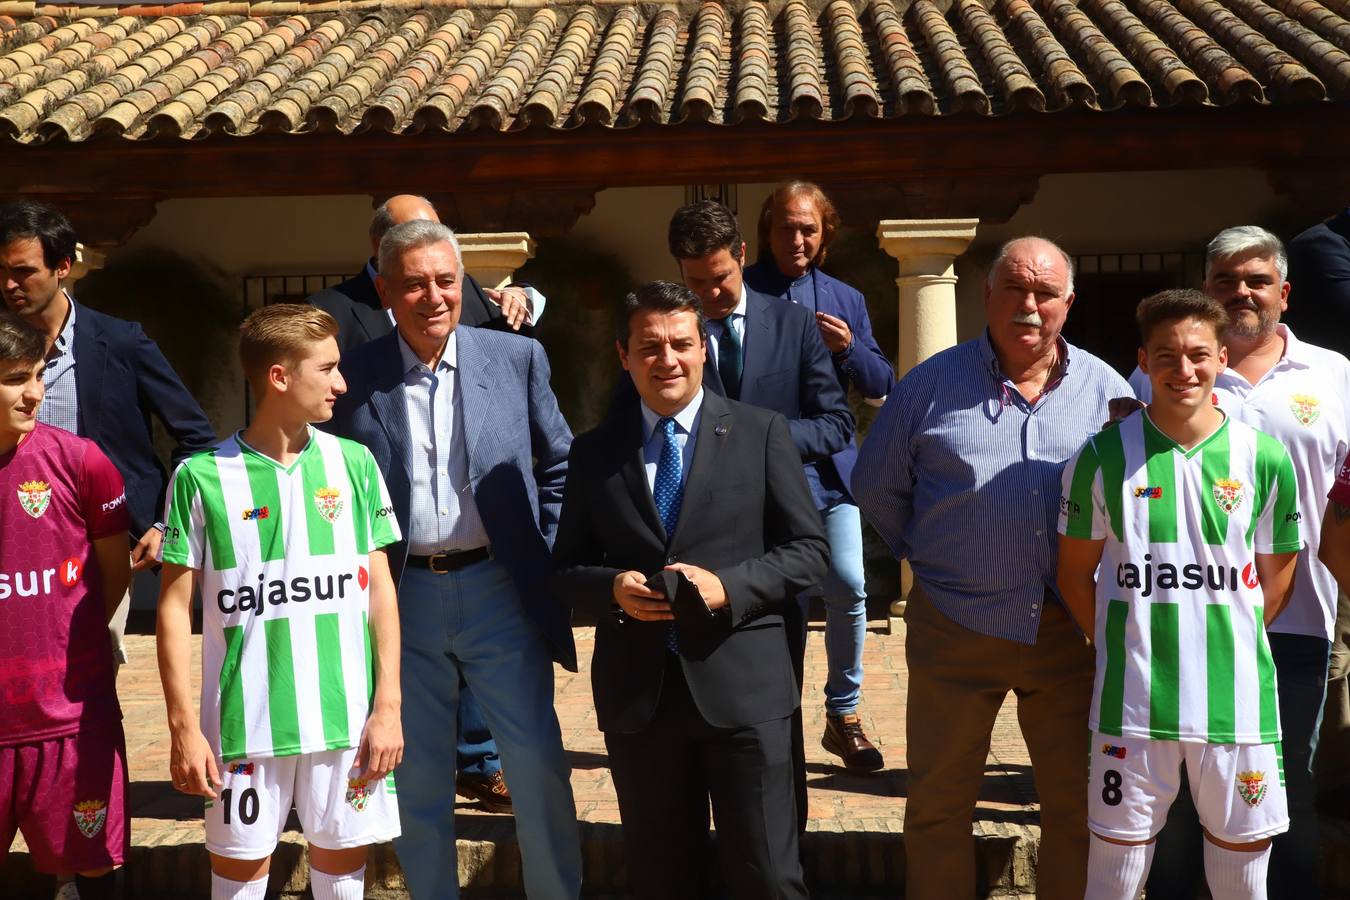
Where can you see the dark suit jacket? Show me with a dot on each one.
(361, 317)
(862, 363)
(123, 380)
(746, 515)
(1319, 273)
(517, 442)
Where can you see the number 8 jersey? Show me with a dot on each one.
(282, 554)
(1181, 642)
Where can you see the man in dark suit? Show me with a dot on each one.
(466, 429)
(1319, 268)
(361, 318)
(769, 354)
(105, 379)
(356, 304)
(686, 482)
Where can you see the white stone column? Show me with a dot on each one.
(492, 258)
(86, 260)
(926, 250)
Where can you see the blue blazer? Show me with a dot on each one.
(517, 441)
(788, 370)
(863, 364)
(122, 379)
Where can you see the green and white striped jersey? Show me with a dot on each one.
(282, 555)
(1181, 645)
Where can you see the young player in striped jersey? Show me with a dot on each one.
(281, 526)
(1194, 521)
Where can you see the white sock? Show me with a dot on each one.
(1236, 874)
(351, 886)
(227, 889)
(1117, 871)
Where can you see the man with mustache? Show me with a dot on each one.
(960, 475)
(1299, 394)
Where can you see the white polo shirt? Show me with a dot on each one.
(1304, 403)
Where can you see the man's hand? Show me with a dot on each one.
(381, 744)
(192, 765)
(834, 331)
(639, 601)
(708, 584)
(146, 552)
(514, 303)
(1119, 408)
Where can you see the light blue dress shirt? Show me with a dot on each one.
(686, 433)
(61, 406)
(444, 515)
(961, 476)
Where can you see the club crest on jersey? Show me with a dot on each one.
(1228, 494)
(1113, 751)
(1148, 493)
(328, 501)
(358, 793)
(35, 497)
(1251, 787)
(90, 816)
(1305, 409)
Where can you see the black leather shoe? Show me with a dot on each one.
(844, 738)
(488, 790)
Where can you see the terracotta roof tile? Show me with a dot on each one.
(199, 69)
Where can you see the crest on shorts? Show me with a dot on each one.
(34, 497)
(1113, 751)
(328, 501)
(1305, 408)
(1228, 494)
(358, 793)
(241, 768)
(1251, 787)
(90, 816)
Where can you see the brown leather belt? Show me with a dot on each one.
(450, 560)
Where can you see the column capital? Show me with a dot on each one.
(493, 257)
(925, 246)
(87, 260)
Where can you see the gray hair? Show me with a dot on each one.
(1241, 240)
(383, 220)
(412, 236)
(1006, 250)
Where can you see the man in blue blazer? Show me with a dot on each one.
(474, 451)
(796, 226)
(105, 379)
(766, 353)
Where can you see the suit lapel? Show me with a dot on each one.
(714, 424)
(473, 374)
(712, 379)
(389, 401)
(91, 352)
(629, 447)
(758, 340)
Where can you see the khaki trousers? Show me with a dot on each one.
(958, 679)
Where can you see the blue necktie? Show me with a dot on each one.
(667, 493)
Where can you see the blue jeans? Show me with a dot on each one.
(475, 750)
(472, 623)
(845, 608)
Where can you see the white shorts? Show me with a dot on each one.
(1238, 788)
(336, 810)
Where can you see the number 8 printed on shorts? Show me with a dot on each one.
(1111, 794)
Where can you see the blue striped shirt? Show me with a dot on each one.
(61, 405)
(961, 476)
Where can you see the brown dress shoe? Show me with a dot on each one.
(844, 738)
(488, 790)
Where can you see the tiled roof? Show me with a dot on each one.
(193, 70)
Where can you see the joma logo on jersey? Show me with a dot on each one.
(37, 582)
(1148, 493)
(34, 497)
(257, 512)
(1191, 577)
(301, 589)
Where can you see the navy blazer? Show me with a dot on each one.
(517, 441)
(863, 364)
(1319, 271)
(122, 379)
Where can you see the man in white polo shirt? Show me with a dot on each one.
(1300, 394)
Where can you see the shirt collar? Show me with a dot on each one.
(61, 345)
(991, 364)
(685, 418)
(449, 357)
(1293, 348)
(370, 270)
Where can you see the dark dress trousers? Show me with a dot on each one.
(123, 382)
(361, 317)
(713, 720)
